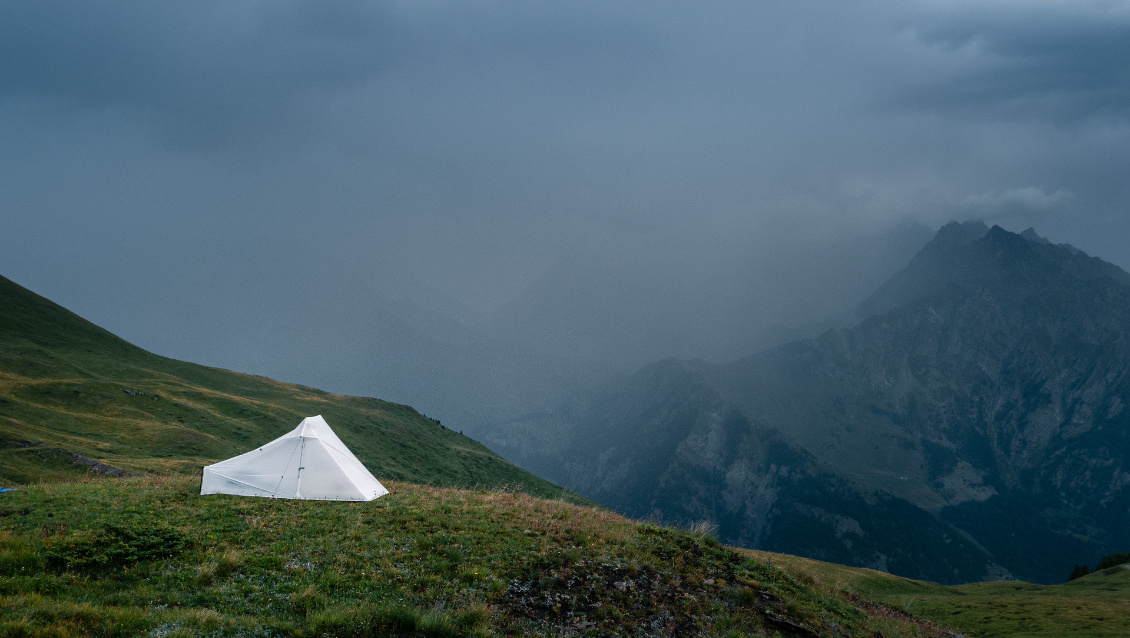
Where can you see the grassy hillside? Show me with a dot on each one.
(150, 556)
(68, 387)
(147, 555)
(1095, 606)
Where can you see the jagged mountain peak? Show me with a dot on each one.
(972, 254)
(1031, 235)
(959, 233)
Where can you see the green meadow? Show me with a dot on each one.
(150, 556)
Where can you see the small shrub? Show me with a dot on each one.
(114, 546)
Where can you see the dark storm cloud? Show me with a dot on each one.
(222, 166)
(203, 73)
(595, 117)
(1066, 62)
(215, 73)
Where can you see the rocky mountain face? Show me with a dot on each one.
(973, 425)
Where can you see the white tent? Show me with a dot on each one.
(309, 462)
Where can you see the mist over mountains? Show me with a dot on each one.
(600, 309)
(623, 306)
(972, 425)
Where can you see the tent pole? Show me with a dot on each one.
(298, 483)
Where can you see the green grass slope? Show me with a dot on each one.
(1095, 606)
(150, 556)
(68, 387)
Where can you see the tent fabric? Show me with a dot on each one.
(309, 462)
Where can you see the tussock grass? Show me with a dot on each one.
(422, 561)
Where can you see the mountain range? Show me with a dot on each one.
(972, 425)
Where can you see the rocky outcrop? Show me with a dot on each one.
(99, 467)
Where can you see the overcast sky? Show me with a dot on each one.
(160, 161)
